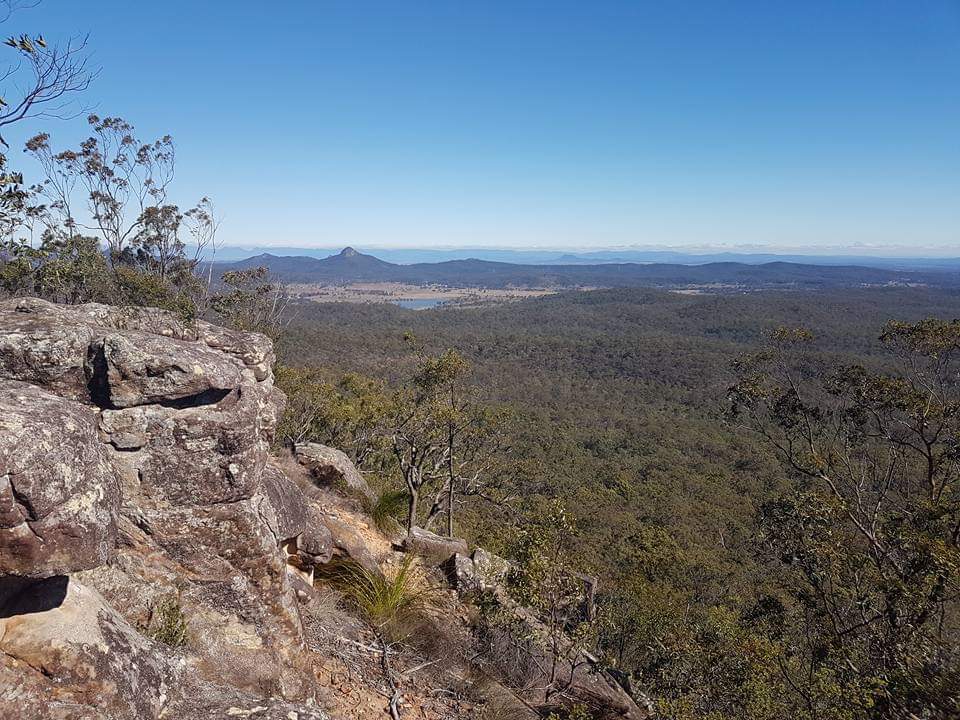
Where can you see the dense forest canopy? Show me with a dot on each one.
(617, 403)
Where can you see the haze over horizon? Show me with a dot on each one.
(827, 127)
(880, 252)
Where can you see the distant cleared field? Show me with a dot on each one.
(402, 293)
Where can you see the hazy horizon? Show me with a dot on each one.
(813, 251)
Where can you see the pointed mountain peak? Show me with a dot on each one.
(348, 252)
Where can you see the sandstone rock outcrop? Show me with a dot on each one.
(134, 476)
(58, 491)
(332, 468)
(155, 559)
(65, 630)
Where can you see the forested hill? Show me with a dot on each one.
(616, 407)
(352, 266)
(618, 389)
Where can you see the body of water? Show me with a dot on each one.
(420, 304)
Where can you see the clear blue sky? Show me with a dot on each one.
(577, 124)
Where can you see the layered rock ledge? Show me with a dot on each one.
(135, 476)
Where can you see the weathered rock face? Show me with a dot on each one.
(286, 501)
(197, 455)
(58, 491)
(64, 630)
(136, 368)
(332, 468)
(48, 344)
(134, 472)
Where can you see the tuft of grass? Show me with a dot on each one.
(389, 510)
(385, 600)
(575, 712)
(168, 624)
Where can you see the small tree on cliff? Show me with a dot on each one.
(444, 439)
(43, 81)
(543, 578)
(45, 78)
(111, 190)
(251, 301)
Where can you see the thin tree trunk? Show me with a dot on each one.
(412, 509)
(450, 498)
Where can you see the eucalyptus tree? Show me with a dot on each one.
(867, 546)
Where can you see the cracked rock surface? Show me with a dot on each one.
(58, 492)
(135, 478)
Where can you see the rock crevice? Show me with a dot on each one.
(135, 476)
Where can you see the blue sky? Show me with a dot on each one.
(817, 125)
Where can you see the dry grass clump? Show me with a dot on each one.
(389, 600)
(388, 510)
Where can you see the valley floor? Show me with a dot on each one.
(412, 296)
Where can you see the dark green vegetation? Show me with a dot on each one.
(734, 583)
(351, 266)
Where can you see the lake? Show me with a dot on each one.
(419, 304)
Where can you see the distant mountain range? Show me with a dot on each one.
(349, 266)
(403, 256)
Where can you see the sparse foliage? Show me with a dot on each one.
(112, 193)
(443, 438)
(543, 577)
(252, 302)
(350, 414)
(48, 76)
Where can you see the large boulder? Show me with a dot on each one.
(58, 491)
(44, 351)
(47, 344)
(134, 472)
(286, 502)
(223, 563)
(332, 468)
(433, 546)
(83, 651)
(135, 368)
(197, 455)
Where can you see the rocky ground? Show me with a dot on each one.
(156, 561)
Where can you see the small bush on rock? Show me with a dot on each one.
(168, 624)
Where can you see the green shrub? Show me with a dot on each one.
(168, 624)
